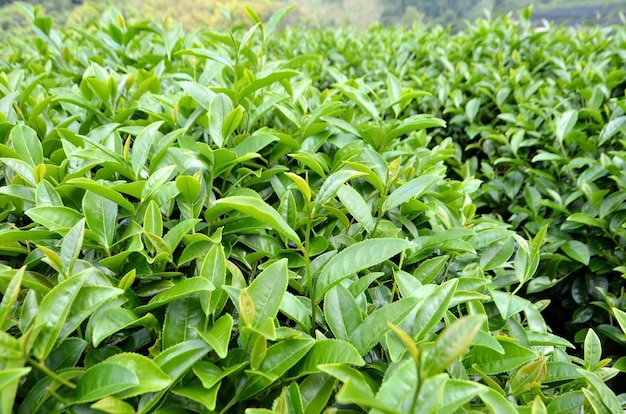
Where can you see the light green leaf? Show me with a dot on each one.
(492, 362)
(181, 318)
(218, 336)
(153, 220)
(219, 109)
(232, 121)
(181, 289)
(355, 258)
(332, 184)
(496, 403)
(54, 217)
(261, 211)
(606, 395)
(103, 380)
(328, 351)
(374, 328)
(278, 359)
(316, 390)
(452, 343)
(267, 291)
(71, 246)
(611, 128)
(26, 143)
(508, 304)
(142, 146)
(53, 311)
(175, 362)
(432, 309)
(342, 312)
(564, 123)
(356, 206)
(577, 250)
(152, 378)
(100, 189)
(10, 294)
(101, 215)
(412, 189)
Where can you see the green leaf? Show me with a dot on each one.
(458, 393)
(106, 323)
(144, 142)
(218, 337)
(356, 206)
(46, 195)
(175, 361)
(261, 211)
(496, 403)
(432, 309)
(606, 395)
(214, 270)
(611, 128)
(152, 219)
(26, 143)
(267, 291)
(409, 190)
(278, 359)
(71, 246)
(316, 390)
(113, 405)
(577, 250)
(11, 376)
(592, 350)
(101, 215)
(181, 289)
(219, 108)
(332, 184)
(414, 123)
(53, 311)
(397, 392)
(265, 81)
(374, 328)
(570, 402)
(22, 169)
(508, 304)
(492, 362)
(10, 294)
(565, 123)
(342, 312)
(151, 376)
(586, 219)
(103, 380)
(100, 189)
(54, 217)
(471, 109)
(355, 258)
(232, 121)
(199, 394)
(452, 343)
(350, 377)
(620, 315)
(181, 316)
(328, 351)
(188, 187)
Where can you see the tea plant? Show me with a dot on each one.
(216, 222)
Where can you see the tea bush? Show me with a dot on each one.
(297, 221)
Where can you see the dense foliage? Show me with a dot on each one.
(290, 221)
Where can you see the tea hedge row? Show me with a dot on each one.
(218, 222)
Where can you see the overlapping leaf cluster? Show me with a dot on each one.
(538, 116)
(257, 221)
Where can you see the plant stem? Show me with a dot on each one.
(43, 368)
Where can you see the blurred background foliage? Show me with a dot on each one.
(219, 14)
